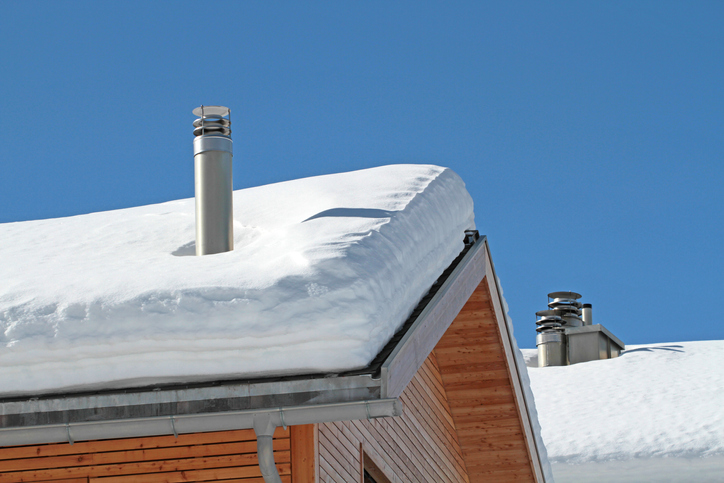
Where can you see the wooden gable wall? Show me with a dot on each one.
(419, 446)
(478, 380)
(463, 418)
(478, 404)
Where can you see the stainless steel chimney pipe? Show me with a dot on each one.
(587, 314)
(552, 349)
(213, 152)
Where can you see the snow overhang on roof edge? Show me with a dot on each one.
(122, 413)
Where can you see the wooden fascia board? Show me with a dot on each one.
(411, 352)
(513, 369)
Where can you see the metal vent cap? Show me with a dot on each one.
(212, 121)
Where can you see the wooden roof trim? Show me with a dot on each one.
(410, 353)
(512, 364)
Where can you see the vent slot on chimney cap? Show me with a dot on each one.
(212, 121)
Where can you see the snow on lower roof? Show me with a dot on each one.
(324, 271)
(654, 414)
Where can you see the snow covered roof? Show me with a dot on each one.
(653, 414)
(324, 271)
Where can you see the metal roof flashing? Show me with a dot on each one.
(232, 404)
(595, 328)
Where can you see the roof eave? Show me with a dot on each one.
(195, 408)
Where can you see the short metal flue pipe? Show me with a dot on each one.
(213, 155)
(567, 335)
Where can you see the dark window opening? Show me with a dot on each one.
(371, 472)
(368, 478)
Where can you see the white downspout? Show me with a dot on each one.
(264, 429)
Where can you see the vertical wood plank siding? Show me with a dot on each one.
(477, 381)
(303, 453)
(228, 456)
(419, 446)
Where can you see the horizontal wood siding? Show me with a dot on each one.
(477, 382)
(419, 446)
(228, 456)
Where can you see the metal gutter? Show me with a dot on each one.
(198, 423)
(182, 401)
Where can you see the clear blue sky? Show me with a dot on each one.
(590, 134)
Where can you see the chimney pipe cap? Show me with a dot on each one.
(211, 111)
(564, 295)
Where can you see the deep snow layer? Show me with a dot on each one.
(654, 414)
(324, 271)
